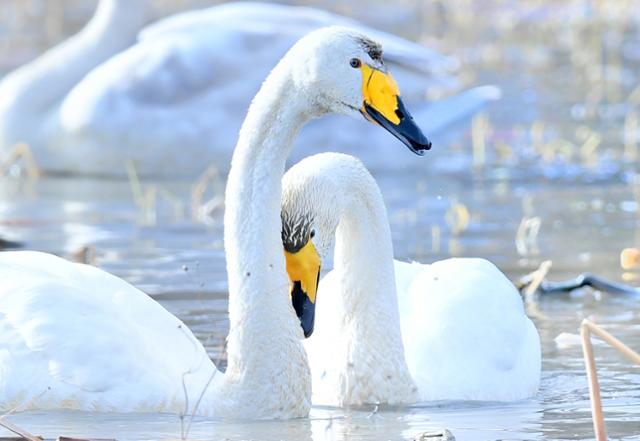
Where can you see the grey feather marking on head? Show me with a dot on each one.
(296, 231)
(372, 48)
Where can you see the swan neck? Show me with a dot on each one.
(364, 249)
(364, 264)
(253, 194)
(263, 326)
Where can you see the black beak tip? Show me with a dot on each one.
(406, 131)
(420, 148)
(304, 308)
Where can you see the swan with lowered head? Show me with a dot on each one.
(174, 101)
(74, 336)
(389, 331)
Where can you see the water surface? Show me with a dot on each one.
(555, 155)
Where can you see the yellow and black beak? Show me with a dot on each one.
(303, 267)
(382, 105)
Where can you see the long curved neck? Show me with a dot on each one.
(263, 327)
(39, 86)
(364, 264)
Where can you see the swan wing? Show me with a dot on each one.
(465, 332)
(181, 60)
(74, 336)
(184, 89)
(297, 21)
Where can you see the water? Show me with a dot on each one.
(180, 262)
(539, 162)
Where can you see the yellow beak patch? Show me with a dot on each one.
(381, 92)
(304, 267)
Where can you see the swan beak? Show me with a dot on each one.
(303, 268)
(382, 105)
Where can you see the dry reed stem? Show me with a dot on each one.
(134, 182)
(592, 379)
(145, 199)
(18, 152)
(435, 239)
(527, 236)
(479, 129)
(458, 218)
(536, 278)
(586, 329)
(18, 430)
(211, 175)
(630, 137)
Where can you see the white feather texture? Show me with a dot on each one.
(76, 337)
(174, 101)
(452, 330)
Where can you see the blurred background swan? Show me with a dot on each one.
(173, 100)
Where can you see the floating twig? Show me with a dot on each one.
(438, 435)
(530, 283)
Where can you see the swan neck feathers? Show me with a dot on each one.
(263, 326)
(343, 199)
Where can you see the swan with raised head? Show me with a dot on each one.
(389, 331)
(74, 336)
(174, 101)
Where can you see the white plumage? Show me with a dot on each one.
(465, 332)
(394, 332)
(76, 337)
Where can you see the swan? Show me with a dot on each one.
(31, 96)
(74, 336)
(174, 101)
(389, 331)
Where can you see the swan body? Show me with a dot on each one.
(76, 337)
(395, 332)
(174, 101)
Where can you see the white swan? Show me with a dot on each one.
(456, 329)
(31, 96)
(174, 101)
(73, 336)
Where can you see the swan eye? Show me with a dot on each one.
(355, 63)
(313, 233)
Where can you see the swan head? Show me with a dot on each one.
(316, 193)
(342, 71)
